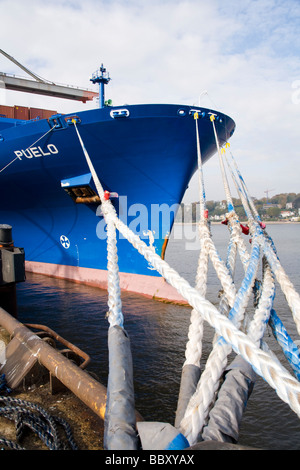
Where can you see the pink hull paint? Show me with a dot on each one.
(149, 286)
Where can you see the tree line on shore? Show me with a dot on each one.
(284, 206)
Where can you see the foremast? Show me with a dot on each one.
(102, 77)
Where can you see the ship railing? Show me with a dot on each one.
(205, 396)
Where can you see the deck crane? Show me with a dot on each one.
(267, 193)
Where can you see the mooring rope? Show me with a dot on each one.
(228, 333)
(115, 315)
(198, 408)
(53, 431)
(217, 361)
(288, 346)
(40, 138)
(287, 287)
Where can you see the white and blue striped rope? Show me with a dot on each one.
(288, 346)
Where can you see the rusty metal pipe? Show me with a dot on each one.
(85, 387)
(61, 340)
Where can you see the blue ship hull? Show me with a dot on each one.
(145, 153)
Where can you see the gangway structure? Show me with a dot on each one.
(40, 86)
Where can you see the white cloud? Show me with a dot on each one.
(245, 53)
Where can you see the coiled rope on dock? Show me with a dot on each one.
(53, 431)
(195, 410)
(45, 426)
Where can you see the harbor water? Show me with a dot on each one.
(158, 333)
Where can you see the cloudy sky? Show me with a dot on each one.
(237, 56)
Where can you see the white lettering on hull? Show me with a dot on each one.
(35, 152)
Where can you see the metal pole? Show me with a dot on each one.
(101, 94)
(91, 392)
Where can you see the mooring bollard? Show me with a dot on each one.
(12, 269)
